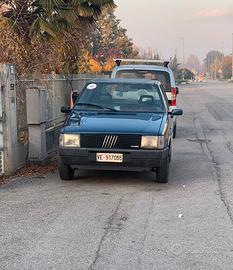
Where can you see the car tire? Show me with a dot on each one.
(66, 173)
(174, 132)
(162, 172)
(170, 154)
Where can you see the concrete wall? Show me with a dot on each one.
(15, 145)
(59, 90)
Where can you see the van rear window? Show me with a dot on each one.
(161, 76)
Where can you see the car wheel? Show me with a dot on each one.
(174, 132)
(162, 173)
(65, 171)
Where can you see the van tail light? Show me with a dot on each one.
(173, 96)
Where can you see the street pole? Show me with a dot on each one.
(183, 54)
(222, 62)
(232, 59)
(183, 60)
(211, 65)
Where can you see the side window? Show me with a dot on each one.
(157, 75)
(164, 95)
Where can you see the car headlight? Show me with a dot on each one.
(69, 140)
(152, 142)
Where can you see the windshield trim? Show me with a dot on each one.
(123, 112)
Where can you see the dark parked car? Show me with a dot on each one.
(118, 124)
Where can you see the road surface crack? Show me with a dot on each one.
(145, 233)
(219, 180)
(107, 230)
(230, 147)
(215, 165)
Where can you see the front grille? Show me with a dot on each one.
(107, 141)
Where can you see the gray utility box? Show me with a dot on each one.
(36, 106)
(36, 119)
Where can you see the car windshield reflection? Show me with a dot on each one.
(121, 97)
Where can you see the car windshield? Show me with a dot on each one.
(121, 97)
(161, 76)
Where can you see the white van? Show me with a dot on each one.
(157, 70)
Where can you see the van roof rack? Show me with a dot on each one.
(119, 61)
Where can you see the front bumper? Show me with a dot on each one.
(134, 160)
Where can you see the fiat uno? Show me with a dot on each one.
(118, 124)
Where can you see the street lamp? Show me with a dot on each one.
(183, 57)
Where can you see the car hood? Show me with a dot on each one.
(114, 123)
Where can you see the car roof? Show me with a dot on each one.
(123, 80)
(144, 67)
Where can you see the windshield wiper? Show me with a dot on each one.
(97, 106)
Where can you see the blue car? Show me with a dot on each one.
(118, 124)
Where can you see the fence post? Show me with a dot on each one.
(9, 119)
(36, 118)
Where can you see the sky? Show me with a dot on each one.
(161, 24)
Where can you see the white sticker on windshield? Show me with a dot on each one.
(91, 86)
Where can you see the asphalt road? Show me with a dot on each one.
(118, 220)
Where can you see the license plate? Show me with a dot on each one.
(109, 157)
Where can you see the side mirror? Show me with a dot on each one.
(176, 112)
(65, 109)
(177, 90)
